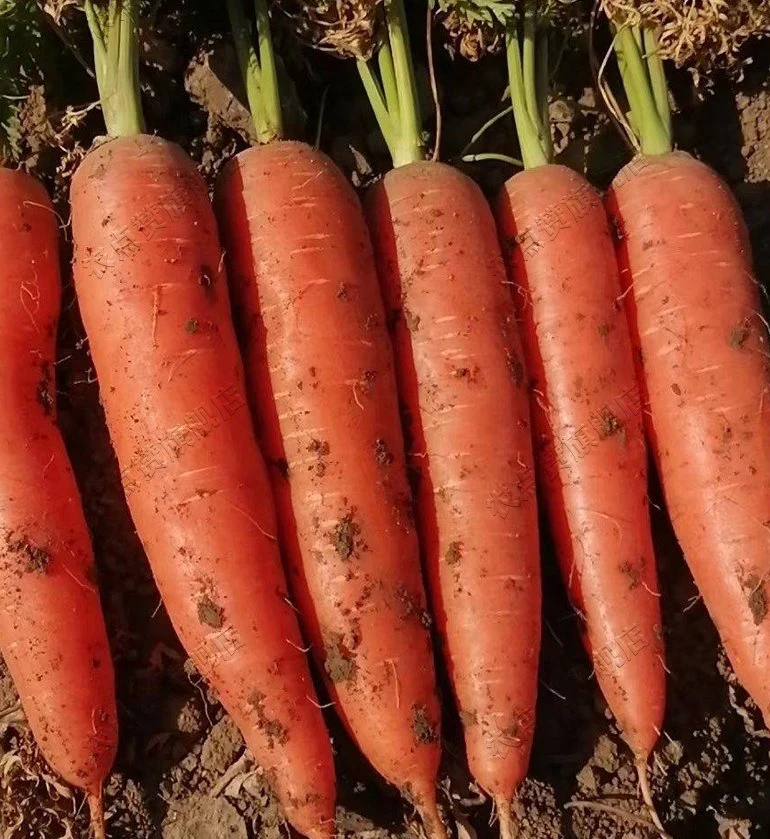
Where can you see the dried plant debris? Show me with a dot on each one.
(703, 35)
(348, 28)
(475, 28)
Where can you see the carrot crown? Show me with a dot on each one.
(258, 69)
(391, 88)
(116, 59)
(648, 123)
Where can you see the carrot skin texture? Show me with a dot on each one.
(589, 433)
(171, 379)
(52, 632)
(322, 382)
(694, 310)
(463, 385)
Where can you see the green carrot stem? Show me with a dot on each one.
(116, 60)
(532, 150)
(648, 123)
(543, 88)
(393, 96)
(657, 76)
(258, 69)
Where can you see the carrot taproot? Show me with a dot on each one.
(149, 277)
(52, 632)
(590, 442)
(463, 386)
(695, 313)
(320, 370)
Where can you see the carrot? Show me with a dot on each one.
(322, 385)
(153, 296)
(52, 633)
(693, 304)
(587, 416)
(464, 390)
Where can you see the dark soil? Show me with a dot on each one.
(181, 771)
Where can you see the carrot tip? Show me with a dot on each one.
(96, 807)
(644, 785)
(432, 823)
(509, 829)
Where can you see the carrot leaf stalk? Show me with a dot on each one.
(258, 69)
(392, 90)
(116, 58)
(529, 86)
(644, 81)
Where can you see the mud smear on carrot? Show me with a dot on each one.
(423, 729)
(38, 559)
(339, 663)
(633, 571)
(453, 553)
(382, 453)
(274, 730)
(345, 537)
(210, 613)
(739, 334)
(756, 597)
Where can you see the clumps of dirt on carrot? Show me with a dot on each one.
(321, 449)
(454, 553)
(382, 453)
(339, 663)
(610, 425)
(633, 571)
(37, 559)
(423, 729)
(274, 730)
(346, 537)
(740, 334)
(756, 597)
(210, 613)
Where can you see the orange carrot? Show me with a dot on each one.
(464, 389)
(321, 377)
(587, 409)
(694, 308)
(153, 296)
(52, 632)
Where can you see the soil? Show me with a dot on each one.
(181, 771)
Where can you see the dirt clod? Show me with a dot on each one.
(345, 535)
(423, 729)
(38, 559)
(339, 663)
(453, 553)
(210, 613)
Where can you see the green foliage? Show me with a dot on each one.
(20, 46)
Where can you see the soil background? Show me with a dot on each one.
(181, 771)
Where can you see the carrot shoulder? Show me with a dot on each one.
(153, 294)
(52, 633)
(321, 377)
(464, 388)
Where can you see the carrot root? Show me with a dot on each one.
(509, 829)
(96, 806)
(429, 814)
(644, 785)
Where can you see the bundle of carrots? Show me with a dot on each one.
(556, 337)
